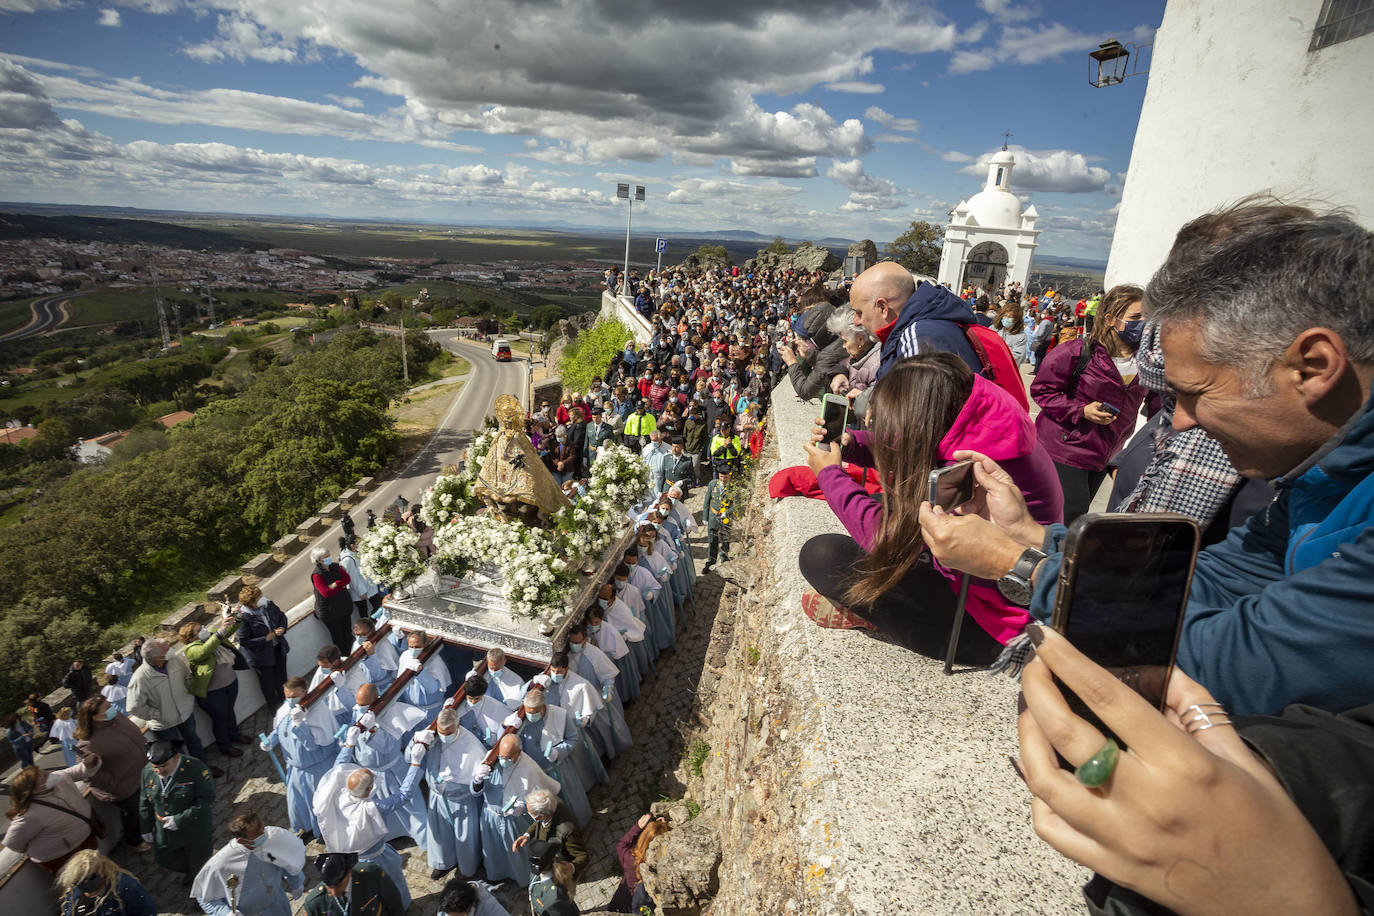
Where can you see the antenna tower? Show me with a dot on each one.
(161, 311)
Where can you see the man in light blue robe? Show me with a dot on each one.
(455, 816)
(503, 792)
(252, 874)
(306, 739)
(377, 742)
(609, 640)
(633, 599)
(382, 658)
(645, 576)
(592, 664)
(548, 736)
(503, 683)
(480, 714)
(429, 683)
(353, 810)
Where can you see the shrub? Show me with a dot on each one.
(590, 353)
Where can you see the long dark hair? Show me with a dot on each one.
(912, 409)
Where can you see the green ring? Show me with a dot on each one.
(1098, 768)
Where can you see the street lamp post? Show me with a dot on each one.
(623, 190)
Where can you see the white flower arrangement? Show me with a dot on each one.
(390, 554)
(534, 582)
(449, 497)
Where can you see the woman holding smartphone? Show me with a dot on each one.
(1088, 401)
(922, 412)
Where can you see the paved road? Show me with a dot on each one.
(47, 315)
(290, 585)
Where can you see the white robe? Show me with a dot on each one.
(340, 699)
(508, 684)
(317, 718)
(347, 824)
(623, 619)
(277, 846)
(521, 778)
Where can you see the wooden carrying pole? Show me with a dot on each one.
(358, 654)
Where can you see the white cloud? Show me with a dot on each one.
(1033, 44)
(347, 101)
(1048, 170)
(955, 156)
(110, 18)
(892, 138)
(802, 167)
(856, 86)
(29, 6)
(545, 72)
(1006, 11)
(891, 121)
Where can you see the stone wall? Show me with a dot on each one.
(846, 774)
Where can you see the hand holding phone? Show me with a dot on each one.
(834, 417)
(952, 486)
(1122, 592)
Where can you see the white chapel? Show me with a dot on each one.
(990, 239)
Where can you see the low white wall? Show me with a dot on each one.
(622, 308)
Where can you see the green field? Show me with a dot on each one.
(454, 245)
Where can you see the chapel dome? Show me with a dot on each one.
(996, 208)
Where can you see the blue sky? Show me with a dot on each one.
(806, 118)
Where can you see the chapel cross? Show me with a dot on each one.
(1005, 136)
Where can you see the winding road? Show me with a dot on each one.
(47, 315)
(290, 585)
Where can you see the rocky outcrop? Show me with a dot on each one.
(681, 869)
(804, 259)
(866, 250)
(697, 262)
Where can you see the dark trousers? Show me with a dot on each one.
(271, 680)
(917, 613)
(129, 820)
(717, 541)
(340, 631)
(219, 706)
(1080, 486)
(185, 733)
(633, 443)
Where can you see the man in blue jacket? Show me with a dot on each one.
(1265, 320)
(908, 319)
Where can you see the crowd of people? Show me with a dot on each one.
(1232, 388)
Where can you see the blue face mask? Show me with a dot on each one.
(557, 678)
(619, 586)
(594, 630)
(1007, 322)
(292, 701)
(111, 713)
(506, 762)
(328, 561)
(358, 711)
(448, 739)
(1130, 334)
(533, 716)
(603, 603)
(575, 648)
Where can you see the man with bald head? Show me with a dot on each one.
(352, 806)
(910, 319)
(504, 818)
(376, 741)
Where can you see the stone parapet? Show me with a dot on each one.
(262, 566)
(854, 776)
(226, 590)
(311, 527)
(284, 548)
(349, 498)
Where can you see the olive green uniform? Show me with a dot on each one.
(370, 893)
(188, 796)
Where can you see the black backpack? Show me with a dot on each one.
(1080, 365)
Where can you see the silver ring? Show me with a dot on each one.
(1205, 716)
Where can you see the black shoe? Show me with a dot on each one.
(215, 772)
(233, 752)
(244, 739)
(707, 568)
(438, 873)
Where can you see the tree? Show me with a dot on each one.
(546, 316)
(778, 246)
(590, 354)
(918, 249)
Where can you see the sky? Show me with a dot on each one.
(801, 118)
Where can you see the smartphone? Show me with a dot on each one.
(1122, 591)
(952, 485)
(834, 416)
(1110, 408)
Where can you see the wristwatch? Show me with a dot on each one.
(1015, 586)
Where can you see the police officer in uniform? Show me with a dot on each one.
(352, 888)
(175, 801)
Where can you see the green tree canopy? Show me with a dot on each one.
(918, 249)
(590, 353)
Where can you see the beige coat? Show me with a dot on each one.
(163, 700)
(46, 833)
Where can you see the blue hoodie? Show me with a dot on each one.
(1282, 611)
(932, 319)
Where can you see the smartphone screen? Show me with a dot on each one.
(952, 485)
(834, 413)
(1122, 592)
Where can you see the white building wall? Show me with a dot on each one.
(1237, 104)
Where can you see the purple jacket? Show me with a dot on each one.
(990, 422)
(1066, 435)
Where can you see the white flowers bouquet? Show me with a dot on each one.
(447, 499)
(389, 554)
(534, 580)
(620, 478)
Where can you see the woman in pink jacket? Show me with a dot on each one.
(924, 411)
